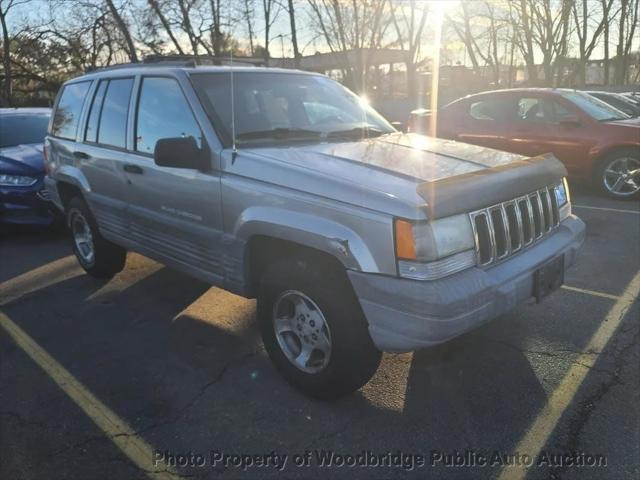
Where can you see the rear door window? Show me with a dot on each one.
(112, 126)
(91, 134)
(530, 109)
(493, 109)
(67, 114)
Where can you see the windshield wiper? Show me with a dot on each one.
(357, 132)
(279, 134)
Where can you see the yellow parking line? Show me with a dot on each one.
(116, 429)
(536, 437)
(604, 209)
(591, 292)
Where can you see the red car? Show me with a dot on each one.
(595, 141)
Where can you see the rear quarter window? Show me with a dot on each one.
(67, 114)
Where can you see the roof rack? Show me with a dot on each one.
(187, 61)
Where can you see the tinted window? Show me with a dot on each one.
(67, 116)
(492, 109)
(112, 129)
(530, 110)
(92, 124)
(163, 112)
(558, 111)
(22, 129)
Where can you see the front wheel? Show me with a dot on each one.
(619, 174)
(314, 330)
(96, 255)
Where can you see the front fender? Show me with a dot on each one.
(319, 233)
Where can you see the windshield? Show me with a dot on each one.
(286, 107)
(595, 108)
(22, 129)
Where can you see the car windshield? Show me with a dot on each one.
(22, 129)
(595, 108)
(284, 107)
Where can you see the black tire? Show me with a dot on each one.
(604, 165)
(108, 258)
(353, 359)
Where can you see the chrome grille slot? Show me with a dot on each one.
(514, 224)
(554, 207)
(506, 228)
(500, 231)
(484, 240)
(527, 220)
(546, 209)
(536, 210)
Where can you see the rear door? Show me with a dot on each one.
(175, 212)
(530, 130)
(103, 153)
(486, 121)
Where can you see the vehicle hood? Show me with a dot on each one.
(381, 174)
(409, 155)
(22, 160)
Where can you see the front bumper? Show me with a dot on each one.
(26, 205)
(406, 315)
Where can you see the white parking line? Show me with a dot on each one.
(617, 210)
(591, 292)
(562, 397)
(115, 428)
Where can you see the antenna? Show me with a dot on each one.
(234, 150)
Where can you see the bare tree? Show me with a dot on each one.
(583, 28)
(270, 10)
(627, 25)
(157, 10)
(124, 30)
(409, 24)
(294, 32)
(356, 25)
(5, 7)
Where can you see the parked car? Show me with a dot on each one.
(24, 199)
(596, 142)
(622, 103)
(354, 238)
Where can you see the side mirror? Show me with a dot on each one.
(181, 152)
(398, 126)
(569, 120)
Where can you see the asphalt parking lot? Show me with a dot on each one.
(99, 379)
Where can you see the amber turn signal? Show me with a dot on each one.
(405, 244)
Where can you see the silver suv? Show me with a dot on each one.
(355, 238)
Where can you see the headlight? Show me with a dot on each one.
(16, 180)
(563, 198)
(426, 251)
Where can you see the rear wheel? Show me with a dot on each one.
(314, 330)
(96, 255)
(619, 174)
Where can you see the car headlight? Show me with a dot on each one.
(426, 251)
(563, 198)
(16, 180)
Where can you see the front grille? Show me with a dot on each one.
(504, 229)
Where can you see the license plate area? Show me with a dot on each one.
(548, 278)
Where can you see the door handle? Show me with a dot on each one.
(81, 155)
(131, 168)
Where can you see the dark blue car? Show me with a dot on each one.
(23, 197)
